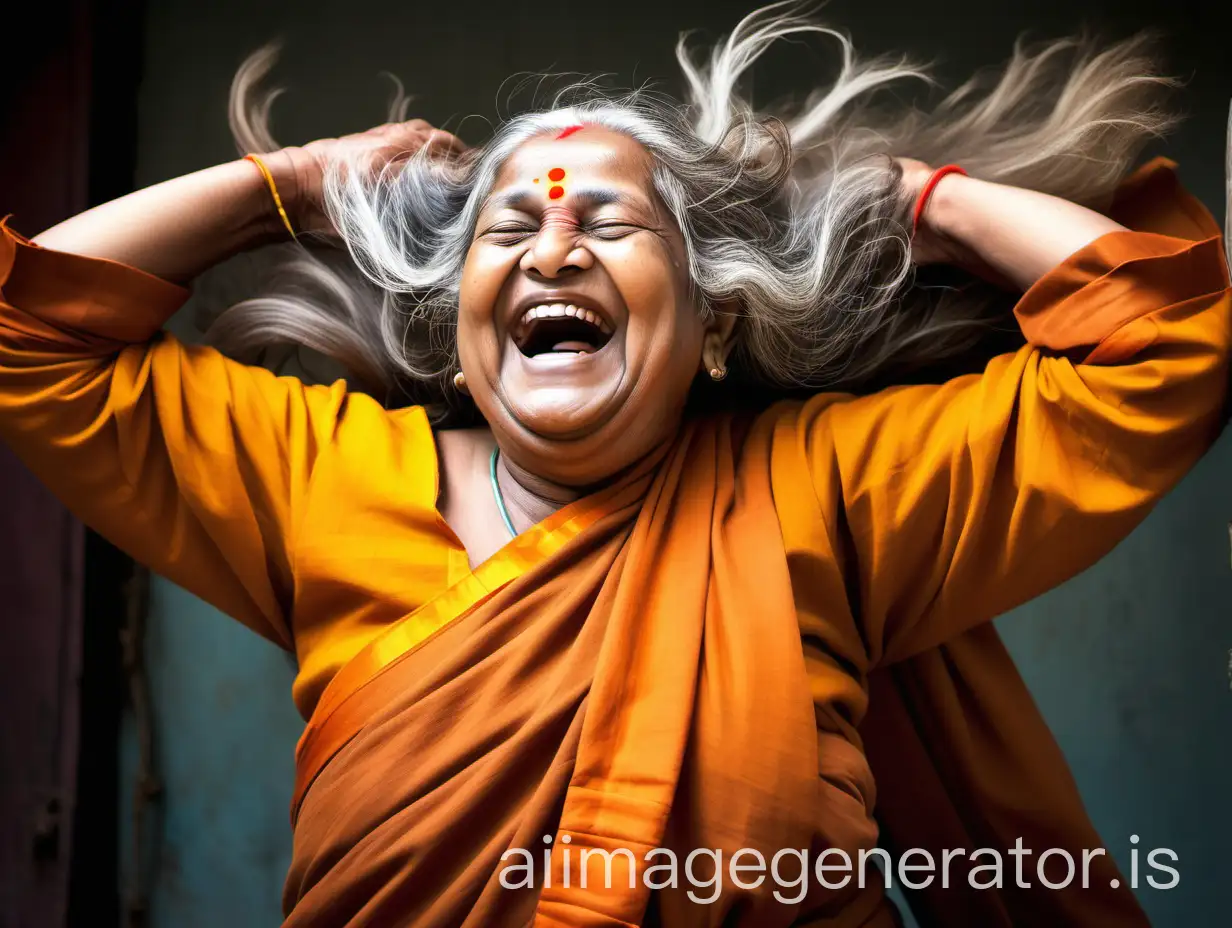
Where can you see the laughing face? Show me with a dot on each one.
(576, 331)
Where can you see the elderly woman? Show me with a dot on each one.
(604, 656)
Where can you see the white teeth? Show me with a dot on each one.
(562, 310)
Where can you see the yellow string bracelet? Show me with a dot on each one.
(269, 182)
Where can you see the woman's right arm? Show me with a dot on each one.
(179, 228)
(193, 463)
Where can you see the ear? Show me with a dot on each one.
(719, 335)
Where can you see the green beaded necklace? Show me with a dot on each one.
(500, 500)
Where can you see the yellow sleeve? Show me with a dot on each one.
(193, 464)
(945, 506)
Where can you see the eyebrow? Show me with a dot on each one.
(590, 196)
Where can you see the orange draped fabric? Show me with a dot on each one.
(698, 657)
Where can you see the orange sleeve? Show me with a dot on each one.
(193, 464)
(945, 506)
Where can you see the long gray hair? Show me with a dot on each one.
(792, 217)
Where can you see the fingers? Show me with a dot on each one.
(441, 142)
(416, 134)
(413, 128)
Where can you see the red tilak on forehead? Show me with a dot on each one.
(568, 131)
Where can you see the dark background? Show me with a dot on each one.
(1129, 661)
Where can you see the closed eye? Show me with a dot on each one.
(611, 230)
(509, 233)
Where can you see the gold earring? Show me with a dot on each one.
(718, 373)
(459, 381)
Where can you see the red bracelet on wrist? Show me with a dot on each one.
(929, 186)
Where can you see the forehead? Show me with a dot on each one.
(591, 154)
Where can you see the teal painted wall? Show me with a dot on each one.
(225, 730)
(1128, 661)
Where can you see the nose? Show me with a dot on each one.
(557, 252)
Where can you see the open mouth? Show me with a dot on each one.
(560, 329)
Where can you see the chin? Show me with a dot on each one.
(562, 414)
(571, 439)
(563, 397)
(574, 418)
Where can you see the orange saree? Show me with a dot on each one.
(632, 690)
(771, 631)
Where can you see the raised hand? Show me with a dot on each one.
(301, 169)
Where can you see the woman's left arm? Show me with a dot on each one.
(948, 505)
(1007, 233)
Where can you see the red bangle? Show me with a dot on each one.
(929, 186)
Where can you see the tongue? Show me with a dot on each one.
(584, 347)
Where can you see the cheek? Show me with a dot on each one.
(654, 286)
(481, 280)
(483, 275)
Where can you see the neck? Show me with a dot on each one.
(529, 498)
